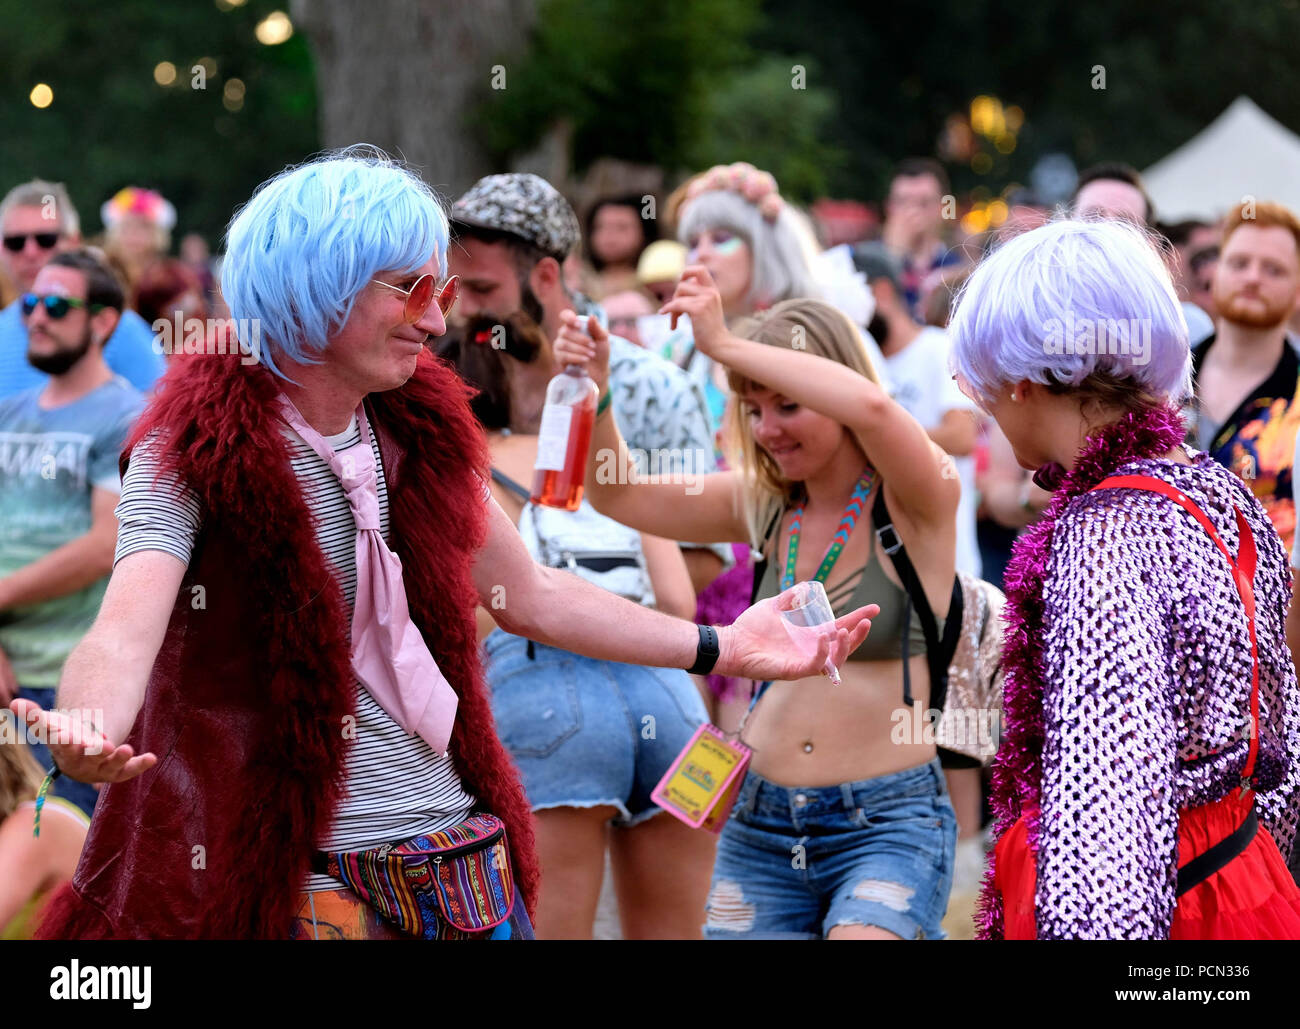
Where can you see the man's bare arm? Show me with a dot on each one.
(110, 667)
(109, 670)
(523, 596)
(554, 607)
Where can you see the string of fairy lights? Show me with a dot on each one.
(978, 137)
(274, 29)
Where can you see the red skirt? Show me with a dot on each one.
(1253, 897)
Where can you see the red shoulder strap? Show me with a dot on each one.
(1243, 574)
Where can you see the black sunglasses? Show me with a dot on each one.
(44, 240)
(55, 306)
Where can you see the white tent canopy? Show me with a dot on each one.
(1242, 153)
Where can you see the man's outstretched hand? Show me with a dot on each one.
(80, 750)
(757, 646)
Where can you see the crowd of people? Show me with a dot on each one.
(297, 654)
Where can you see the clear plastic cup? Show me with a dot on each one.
(808, 618)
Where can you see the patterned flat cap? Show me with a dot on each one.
(526, 206)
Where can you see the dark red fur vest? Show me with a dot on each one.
(247, 700)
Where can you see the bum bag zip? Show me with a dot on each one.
(322, 858)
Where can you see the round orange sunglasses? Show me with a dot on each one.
(423, 293)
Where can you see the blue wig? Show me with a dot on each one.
(311, 238)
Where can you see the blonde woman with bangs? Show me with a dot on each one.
(843, 826)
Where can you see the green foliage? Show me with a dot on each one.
(759, 116)
(632, 79)
(112, 125)
(1171, 67)
(680, 83)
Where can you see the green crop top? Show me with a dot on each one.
(884, 642)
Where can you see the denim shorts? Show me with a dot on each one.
(588, 733)
(793, 863)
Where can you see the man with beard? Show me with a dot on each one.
(589, 780)
(1248, 404)
(39, 221)
(59, 445)
(513, 233)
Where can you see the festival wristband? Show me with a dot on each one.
(706, 652)
(604, 404)
(50, 776)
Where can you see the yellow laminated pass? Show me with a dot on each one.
(700, 786)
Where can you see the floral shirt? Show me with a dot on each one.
(1258, 440)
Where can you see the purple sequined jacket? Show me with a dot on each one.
(1146, 695)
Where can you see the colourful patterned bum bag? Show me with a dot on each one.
(449, 885)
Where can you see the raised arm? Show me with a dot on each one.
(694, 509)
(912, 465)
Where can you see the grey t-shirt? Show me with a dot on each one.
(50, 463)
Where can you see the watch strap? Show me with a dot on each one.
(706, 652)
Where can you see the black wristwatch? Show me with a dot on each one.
(706, 653)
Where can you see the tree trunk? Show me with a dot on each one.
(403, 74)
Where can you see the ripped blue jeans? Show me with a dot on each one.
(793, 863)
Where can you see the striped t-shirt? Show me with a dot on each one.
(396, 787)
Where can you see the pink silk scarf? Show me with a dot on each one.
(389, 655)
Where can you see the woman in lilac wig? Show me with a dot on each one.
(1146, 783)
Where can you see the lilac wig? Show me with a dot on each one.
(1069, 299)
